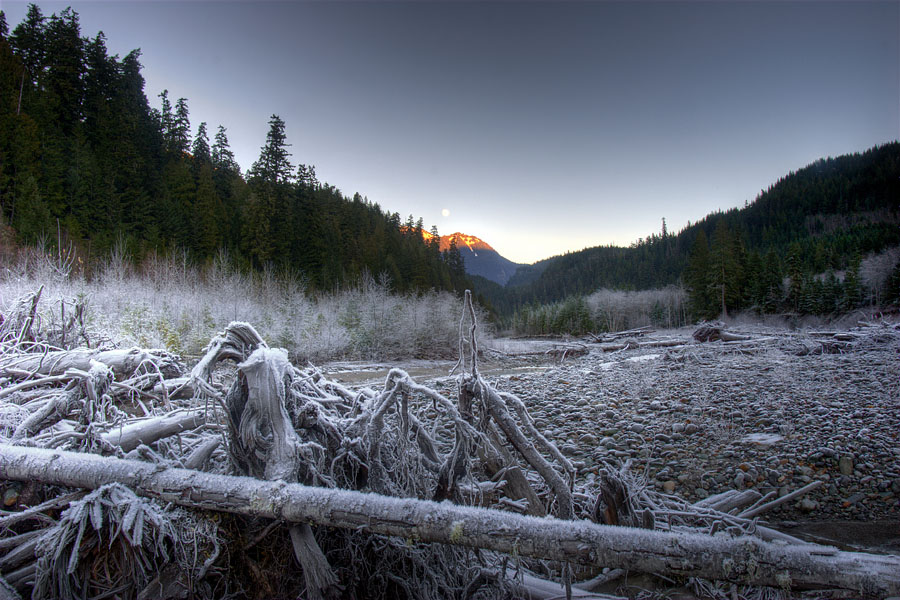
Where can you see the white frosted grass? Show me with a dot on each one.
(168, 303)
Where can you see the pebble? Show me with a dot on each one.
(831, 418)
(846, 465)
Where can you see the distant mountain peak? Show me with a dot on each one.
(481, 259)
(463, 240)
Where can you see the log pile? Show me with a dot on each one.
(126, 475)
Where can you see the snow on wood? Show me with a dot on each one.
(743, 560)
(349, 479)
(146, 431)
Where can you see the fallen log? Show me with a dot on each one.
(128, 437)
(123, 362)
(744, 560)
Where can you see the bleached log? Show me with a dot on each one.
(727, 501)
(8, 592)
(200, 455)
(631, 345)
(122, 361)
(743, 560)
(752, 512)
(128, 437)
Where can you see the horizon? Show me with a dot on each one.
(541, 128)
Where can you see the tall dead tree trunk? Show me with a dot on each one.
(743, 560)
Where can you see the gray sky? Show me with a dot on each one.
(541, 127)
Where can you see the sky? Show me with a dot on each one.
(540, 127)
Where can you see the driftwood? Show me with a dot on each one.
(712, 332)
(743, 560)
(610, 337)
(312, 448)
(129, 437)
(122, 362)
(632, 345)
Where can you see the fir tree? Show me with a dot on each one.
(273, 165)
(200, 148)
(698, 280)
(222, 156)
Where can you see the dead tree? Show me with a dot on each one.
(743, 559)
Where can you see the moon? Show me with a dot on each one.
(445, 212)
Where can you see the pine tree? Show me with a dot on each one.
(306, 177)
(697, 278)
(273, 165)
(795, 273)
(29, 42)
(724, 268)
(222, 156)
(853, 292)
(207, 213)
(181, 128)
(200, 148)
(167, 120)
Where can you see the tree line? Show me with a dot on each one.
(796, 248)
(83, 152)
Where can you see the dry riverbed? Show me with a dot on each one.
(701, 418)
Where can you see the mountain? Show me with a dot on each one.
(479, 257)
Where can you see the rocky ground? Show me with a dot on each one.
(771, 413)
(707, 417)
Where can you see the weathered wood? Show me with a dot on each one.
(123, 362)
(8, 592)
(752, 512)
(128, 437)
(744, 560)
(727, 501)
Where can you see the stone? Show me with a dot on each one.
(807, 505)
(846, 465)
(668, 486)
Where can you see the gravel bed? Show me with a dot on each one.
(705, 418)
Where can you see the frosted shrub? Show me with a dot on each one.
(617, 310)
(170, 303)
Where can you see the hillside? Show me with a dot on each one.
(817, 219)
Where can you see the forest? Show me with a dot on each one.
(86, 161)
(820, 241)
(84, 153)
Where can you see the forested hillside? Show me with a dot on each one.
(83, 152)
(813, 223)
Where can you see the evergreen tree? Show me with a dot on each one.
(167, 120)
(181, 128)
(208, 212)
(29, 42)
(306, 176)
(772, 283)
(853, 292)
(795, 273)
(698, 280)
(200, 148)
(222, 156)
(273, 165)
(725, 275)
